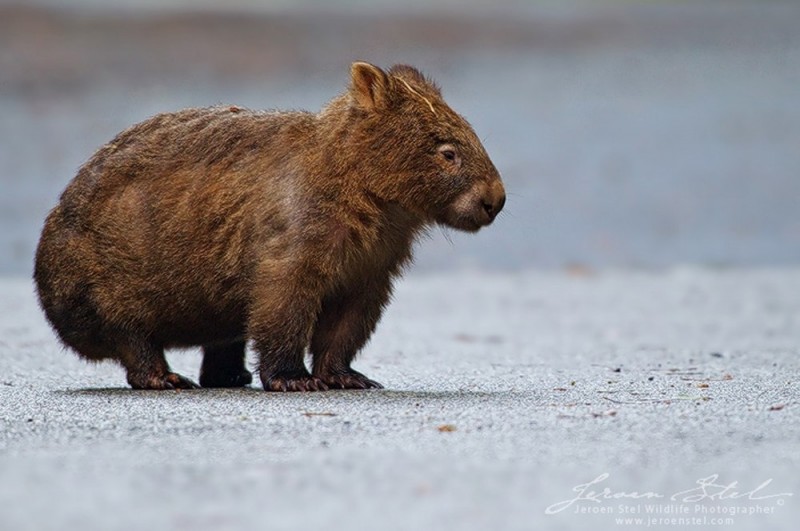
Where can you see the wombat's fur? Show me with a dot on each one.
(216, 226)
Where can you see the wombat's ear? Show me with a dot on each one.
(370, 86)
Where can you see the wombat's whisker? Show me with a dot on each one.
(446, 235)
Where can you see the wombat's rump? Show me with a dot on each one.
(217, 226)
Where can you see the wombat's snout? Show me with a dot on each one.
(477, 207)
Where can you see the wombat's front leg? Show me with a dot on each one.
(281, 318)
(343, 327)
(147, 368)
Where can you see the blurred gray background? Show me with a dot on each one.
(630, 134)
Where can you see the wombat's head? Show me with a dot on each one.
(419, 152)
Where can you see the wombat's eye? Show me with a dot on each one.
(448, 151)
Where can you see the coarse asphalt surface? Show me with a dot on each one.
(503, 393)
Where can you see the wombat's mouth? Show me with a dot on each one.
(471, 226)
(466, 221)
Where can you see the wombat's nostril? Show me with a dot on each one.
(489, 208)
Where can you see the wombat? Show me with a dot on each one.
(221, 225)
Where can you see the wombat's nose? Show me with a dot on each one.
(493, 203)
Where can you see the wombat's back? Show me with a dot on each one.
(170, 150)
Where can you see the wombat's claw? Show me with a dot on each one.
(176, 381)
(294, 382)
(350, 380)
(227, 380)
(170, 380)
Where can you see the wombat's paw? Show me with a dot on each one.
(293, 381)
(239, 379)
(170, 380)
(349, 379)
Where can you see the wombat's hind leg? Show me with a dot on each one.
(148, 369)
(224, 366)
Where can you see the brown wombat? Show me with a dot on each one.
(216, 226)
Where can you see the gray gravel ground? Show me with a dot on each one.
(503, 392)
